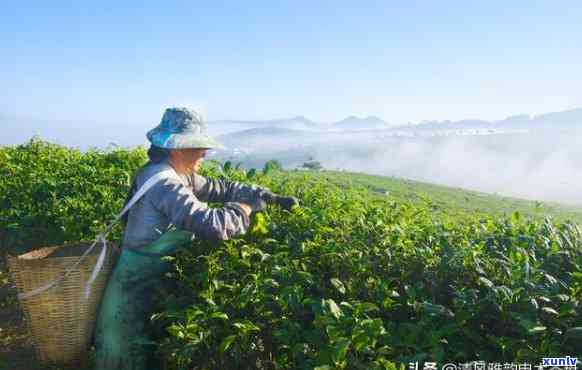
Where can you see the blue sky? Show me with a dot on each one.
(400, 60)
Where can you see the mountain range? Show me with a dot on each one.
(560, 120)
(15, 130)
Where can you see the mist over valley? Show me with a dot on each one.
(537, 158)
(531, 157)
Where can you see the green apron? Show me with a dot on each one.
(122, 338)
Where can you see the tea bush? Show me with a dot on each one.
(347, 280)
(351, 282)
(51, 194)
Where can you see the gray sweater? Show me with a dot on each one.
(181, 201)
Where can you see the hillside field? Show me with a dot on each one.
(453, 200)
(368, 273)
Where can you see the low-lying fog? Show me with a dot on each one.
(536, 158)
(542, 164)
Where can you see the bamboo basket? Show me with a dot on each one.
(60, 320)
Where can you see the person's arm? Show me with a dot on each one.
(187, 212)
(220, 191)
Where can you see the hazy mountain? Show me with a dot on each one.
(455, 125)
(565, 120)
(294, 123)
(14, 130)
(265, 138)
(260, 131)
(357, 123)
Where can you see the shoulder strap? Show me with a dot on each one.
(101, 237)
(144, 189)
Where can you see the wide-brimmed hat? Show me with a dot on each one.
(182, 128)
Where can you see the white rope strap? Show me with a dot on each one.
(101, 237)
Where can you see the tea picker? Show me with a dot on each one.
(167, 195)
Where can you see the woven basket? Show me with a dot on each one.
(60, 320)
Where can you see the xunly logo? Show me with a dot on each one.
(560, 361)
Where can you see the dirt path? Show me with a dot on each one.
(16, 351)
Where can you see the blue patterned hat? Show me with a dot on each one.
(182, 128)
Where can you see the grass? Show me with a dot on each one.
(450, 200)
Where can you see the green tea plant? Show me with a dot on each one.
(348, 280)
(50, 194)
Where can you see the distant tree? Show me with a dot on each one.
(252, 173)
(313, 165)
(272, 165)
(227, 166)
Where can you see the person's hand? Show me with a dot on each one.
(286, 203)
